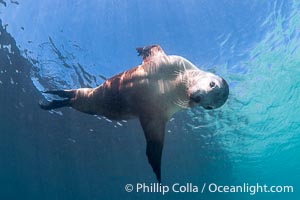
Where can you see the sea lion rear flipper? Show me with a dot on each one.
(62, 93)
(49, 105)
(150, 51)
(154, 129)
(66, 94)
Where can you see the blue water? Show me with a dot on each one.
(253, 138)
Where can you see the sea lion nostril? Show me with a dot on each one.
(208, 108)
(212, 84)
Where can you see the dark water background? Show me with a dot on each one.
(68, 44)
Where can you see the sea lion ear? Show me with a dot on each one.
(150, 51)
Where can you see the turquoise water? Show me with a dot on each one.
(254, 138)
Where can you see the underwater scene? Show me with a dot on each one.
(235, 136)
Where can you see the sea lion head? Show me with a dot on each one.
(206, 89)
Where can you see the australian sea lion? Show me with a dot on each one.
(152, 92)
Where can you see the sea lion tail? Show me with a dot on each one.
(66, 102)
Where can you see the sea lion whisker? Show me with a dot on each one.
(182, 103)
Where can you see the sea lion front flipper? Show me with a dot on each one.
(150, 51)
(154, 129)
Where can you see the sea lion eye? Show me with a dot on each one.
(212, 84)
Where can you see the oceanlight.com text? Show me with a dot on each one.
(207, 187)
